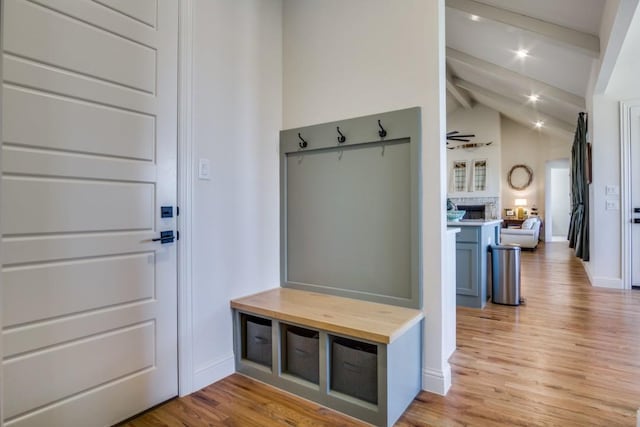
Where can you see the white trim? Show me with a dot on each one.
(438, 382)
(607, 282)
(625, 189)
(213, 371)
(186, 375)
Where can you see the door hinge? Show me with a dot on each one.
(177, 210)
(177, 235)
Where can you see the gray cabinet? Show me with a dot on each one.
(472, 245)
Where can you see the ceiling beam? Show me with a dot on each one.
(619, 29)
(459, 94)
(587, 43)
(543, 89)
(520, 113)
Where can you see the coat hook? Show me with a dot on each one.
(382, 132)
(302, 143)
(341, 138)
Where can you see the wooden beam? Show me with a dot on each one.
(520, 113)
(543, 89)
(459, 94)
(586, 43)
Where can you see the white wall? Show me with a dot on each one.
(525, 145)
(237, 108)
(605, 266)
(484, 123)
(351, 58)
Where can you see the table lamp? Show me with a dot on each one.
(520, 203)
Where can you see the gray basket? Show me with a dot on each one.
(259, 340)
(354, 369)
(303, 353)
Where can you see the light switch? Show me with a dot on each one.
(612, 205)
(204, 169)
(611, 190)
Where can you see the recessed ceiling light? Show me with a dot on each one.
(475, 18)
(522, 53)
(533, 97)
(539, 124)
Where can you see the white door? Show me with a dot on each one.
(89, 157)
(634, 122)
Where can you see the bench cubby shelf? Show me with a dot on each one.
(376, 345)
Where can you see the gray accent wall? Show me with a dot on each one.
(350, 211)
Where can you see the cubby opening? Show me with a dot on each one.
(256, 339)
(354, 369)
(300, 352)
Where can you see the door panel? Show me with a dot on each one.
(635, 194)
(89, 157)
(76, 366)
(50, 205)
(88, 49)
(141, 10)
(97, 129)
(41, 292)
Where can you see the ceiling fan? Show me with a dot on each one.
(456, 136)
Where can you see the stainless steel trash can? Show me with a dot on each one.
(505, 266)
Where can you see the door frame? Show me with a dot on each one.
(185, 198)
(1, 85)
(625, 188)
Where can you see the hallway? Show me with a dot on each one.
(569, 357)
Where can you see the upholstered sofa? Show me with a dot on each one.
(527, 236)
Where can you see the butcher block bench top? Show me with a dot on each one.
(380, 323)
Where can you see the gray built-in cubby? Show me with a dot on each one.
(372, 381)
(349, 243)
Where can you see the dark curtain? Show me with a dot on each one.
(579, 225)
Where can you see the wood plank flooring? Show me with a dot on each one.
(569, 357)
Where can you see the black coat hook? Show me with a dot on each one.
(302, 143)
(341, 138)
(382, 132)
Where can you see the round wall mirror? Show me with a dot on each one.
(520, 177)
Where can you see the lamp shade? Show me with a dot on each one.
(521, 202)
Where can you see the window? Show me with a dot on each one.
(459, 176)
(479, 175)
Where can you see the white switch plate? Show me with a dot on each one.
(204, 169)
(611, 190)
(612, 205)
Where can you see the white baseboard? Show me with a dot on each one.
(437, 382)
(607, 282)
(602, 282)
(213, 371)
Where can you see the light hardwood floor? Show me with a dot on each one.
(569, 357)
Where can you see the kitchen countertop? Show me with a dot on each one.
(473, 222)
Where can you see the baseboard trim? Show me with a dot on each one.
(437, 382)
(213, 371)
(607, 282)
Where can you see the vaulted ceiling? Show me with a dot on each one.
(505, 53)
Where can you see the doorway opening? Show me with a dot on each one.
(557, 200)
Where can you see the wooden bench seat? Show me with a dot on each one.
(386, 338)
(380, 323)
